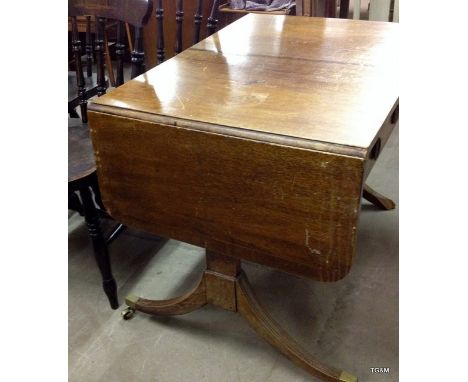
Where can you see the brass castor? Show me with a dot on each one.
(128, 313)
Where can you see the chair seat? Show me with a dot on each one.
(81, 160)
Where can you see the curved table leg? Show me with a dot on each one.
(187, 303)
(377, 199)
(219, 287)
(265, 326)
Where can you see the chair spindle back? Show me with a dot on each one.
(212, 23)
(80, 83)
(134, 12)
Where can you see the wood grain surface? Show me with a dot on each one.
(184, 304)
(322, 80)
(254, 143)
(289, 208)
(261, 321)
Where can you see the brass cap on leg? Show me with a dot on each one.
(131, 300)
(346, 377)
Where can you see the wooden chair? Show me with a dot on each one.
(87, 25)
(82, 178)
(211, 25)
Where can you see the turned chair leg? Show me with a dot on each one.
(84, 111)
(97, 192)
(74, 203)
(99, 245)
(119, 228)
(72, 112)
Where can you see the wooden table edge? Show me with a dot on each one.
(295, 142)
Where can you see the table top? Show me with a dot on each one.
(309, 81)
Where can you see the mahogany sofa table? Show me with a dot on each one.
(254, 144)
